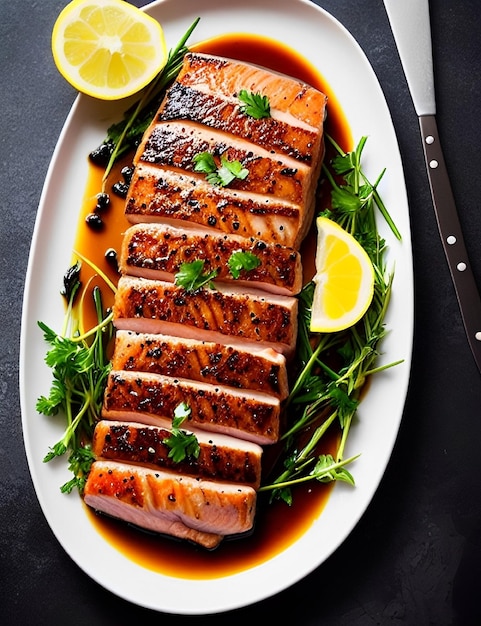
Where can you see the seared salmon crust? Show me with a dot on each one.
(219, 352)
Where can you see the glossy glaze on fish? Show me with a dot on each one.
(220, 314)
(153, 398)
(159, 250)
(160, 194)
(226, 77)
(258, 369)
(221, 457)
(278, 132)
(200, 511)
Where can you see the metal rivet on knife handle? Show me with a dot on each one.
(410, 21)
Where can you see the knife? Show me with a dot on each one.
(410, 24)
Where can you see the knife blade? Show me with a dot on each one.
(411, 27)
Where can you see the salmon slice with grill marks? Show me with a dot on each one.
(160, 194)
(220, 75)
(158, 251)
(174, 144)
(253, 316)
(152, 399)
(224, 458)
(261, 369)
(279, 132)
(200, 511)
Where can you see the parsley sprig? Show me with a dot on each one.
(242, 261)
(228, 171)
(191, 276)
(80, 367)
(333, 367)
(255, 104)
(182, 443)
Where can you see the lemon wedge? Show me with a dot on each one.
(344, 279)
(108, 49)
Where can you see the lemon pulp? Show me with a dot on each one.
(344, 279)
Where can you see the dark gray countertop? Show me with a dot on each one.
(415, 556)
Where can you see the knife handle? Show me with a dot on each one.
(451, 235)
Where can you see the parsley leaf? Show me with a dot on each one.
(191, 276)
(227, 172)
(240, 260)
(255, 104)
(182, 443)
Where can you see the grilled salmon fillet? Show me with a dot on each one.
(261, 369)
(188, 508)
(153, 398)
(159, 194)
(223, 458)
(159, 250)
(220, 314)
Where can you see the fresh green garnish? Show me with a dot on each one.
(255, 105)
(333, 367)
(182, 443)
(223, 175)
(191, 276)
(125, 135)
(239, 261)
(80, 367)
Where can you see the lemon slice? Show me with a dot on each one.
(107, 49)
(344, 280)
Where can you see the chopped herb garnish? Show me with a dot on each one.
(255, 104)
(240, 260)
(227, 172)
(191, 276)
(182, 443)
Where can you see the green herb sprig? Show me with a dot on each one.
(333, 367)
(191, 276)
(80, 367)
(182, 443)
(242, 261)
(255, 104)
(228, 171)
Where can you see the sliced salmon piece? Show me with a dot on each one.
(219, 314)
(284, 134)
(224, 458)
(159, 250)
(200, 511)
(219, 75)
(174, 144)
(153, 398)
(258, 369)
(173, 196)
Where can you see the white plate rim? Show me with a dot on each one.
(108, 568)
